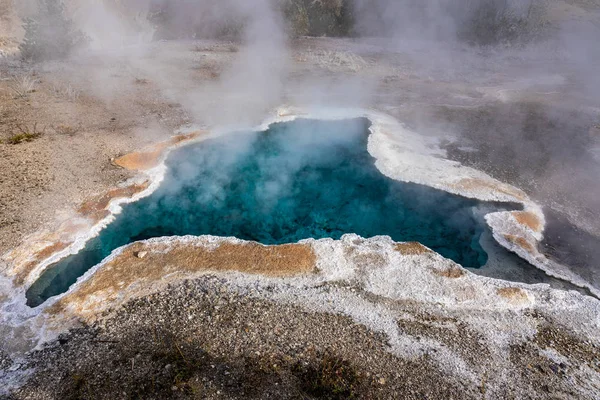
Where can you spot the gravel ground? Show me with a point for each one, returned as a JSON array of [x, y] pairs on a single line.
[[200, 339]]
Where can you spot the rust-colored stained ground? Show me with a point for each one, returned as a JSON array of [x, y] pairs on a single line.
[[93, 210], [411, 248], [73, 226], [476, 183], [96, 208], [521, 242], [513, 294], [38, 258], [150, 157], [452, 272], [159, 261], [285, 114], [416, 248], [528, 219]]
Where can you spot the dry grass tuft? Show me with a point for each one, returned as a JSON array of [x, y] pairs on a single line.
[[68, 92], [330, 377], [23, 85], [25, 134], [67, 130]]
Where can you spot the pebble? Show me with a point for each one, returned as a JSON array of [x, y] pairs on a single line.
[[141, 254]]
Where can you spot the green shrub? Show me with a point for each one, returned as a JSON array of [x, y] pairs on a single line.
[[25, 135], [319, 17], [175, 19], [50, 34], [179, 19]]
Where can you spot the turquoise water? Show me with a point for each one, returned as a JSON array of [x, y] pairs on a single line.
[[298, 180]]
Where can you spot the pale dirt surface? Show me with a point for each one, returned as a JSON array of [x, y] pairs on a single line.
[[72, 160]]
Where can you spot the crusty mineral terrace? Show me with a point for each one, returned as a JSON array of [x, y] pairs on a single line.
[[409, 157], [424, 305], [400, 154], [27, 262], [365, 279], [407, 271]]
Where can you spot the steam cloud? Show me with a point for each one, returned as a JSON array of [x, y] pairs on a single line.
[[438, 51]]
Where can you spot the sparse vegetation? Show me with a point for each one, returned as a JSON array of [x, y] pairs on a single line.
[[23, 85], [479, 22], [50, 34], [25, 134], [182, 367], [319, 17], [140, 81], [177, 19], [67, 129], [68, 92]]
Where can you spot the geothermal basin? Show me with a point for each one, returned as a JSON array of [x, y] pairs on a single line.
[[297, 180]]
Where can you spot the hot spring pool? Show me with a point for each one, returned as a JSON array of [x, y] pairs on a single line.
[[298, 180]]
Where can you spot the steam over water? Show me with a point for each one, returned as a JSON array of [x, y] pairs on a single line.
[[298, 180]]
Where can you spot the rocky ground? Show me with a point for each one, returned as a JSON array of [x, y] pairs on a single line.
[[201, 339], [167, 345]]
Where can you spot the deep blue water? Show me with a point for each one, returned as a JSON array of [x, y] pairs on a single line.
[[303, 179]]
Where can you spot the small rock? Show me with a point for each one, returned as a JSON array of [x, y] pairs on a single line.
[[141, 254]]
